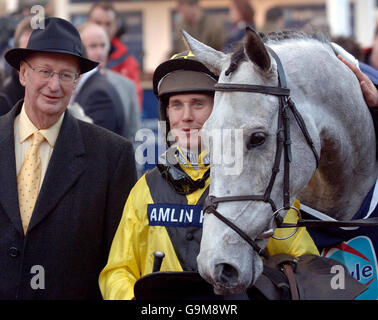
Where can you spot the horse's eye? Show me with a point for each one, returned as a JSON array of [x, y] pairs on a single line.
[[256, 139]]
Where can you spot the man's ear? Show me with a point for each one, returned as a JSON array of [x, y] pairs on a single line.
[[21, 74]]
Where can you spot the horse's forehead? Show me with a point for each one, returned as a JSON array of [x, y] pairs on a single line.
[[243, 110], [245, 72]]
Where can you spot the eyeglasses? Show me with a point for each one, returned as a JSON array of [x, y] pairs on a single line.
[[44, 73]]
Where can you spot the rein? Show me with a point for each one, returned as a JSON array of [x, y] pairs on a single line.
[[283, 146]]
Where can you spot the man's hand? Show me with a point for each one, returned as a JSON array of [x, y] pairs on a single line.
[[369, 91]]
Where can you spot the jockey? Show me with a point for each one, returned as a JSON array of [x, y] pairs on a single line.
[[164, 209]]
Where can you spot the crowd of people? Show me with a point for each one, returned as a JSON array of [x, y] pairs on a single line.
[[70, 200]]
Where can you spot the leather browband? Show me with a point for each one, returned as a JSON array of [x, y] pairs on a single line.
[[276, 91]]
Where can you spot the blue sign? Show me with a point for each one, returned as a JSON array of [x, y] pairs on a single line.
[[358, 255]]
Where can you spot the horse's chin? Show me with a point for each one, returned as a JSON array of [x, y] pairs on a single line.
[[222, 287], [226, 279], [220, 290]]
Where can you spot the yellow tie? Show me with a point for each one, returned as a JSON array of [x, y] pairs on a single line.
[[28, 180]]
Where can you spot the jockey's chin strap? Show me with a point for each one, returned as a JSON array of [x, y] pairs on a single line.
[[283, 145]]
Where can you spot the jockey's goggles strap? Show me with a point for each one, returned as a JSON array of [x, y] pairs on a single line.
[[179, 180], [176, 177]]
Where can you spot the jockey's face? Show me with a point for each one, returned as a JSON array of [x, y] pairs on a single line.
[[187, 113]]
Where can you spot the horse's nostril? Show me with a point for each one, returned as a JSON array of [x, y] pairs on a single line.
[[226, 274]]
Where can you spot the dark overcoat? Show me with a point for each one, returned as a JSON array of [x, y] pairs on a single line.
[[102, 103], [89, 176]]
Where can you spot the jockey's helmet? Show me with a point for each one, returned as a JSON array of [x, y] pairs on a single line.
[[182, 73]]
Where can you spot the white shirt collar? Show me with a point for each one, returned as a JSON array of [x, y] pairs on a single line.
[[83, 78]]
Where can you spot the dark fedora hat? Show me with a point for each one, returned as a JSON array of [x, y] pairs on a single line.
[[57, 36]]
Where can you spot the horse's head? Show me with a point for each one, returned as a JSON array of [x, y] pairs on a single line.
[[241, 135]]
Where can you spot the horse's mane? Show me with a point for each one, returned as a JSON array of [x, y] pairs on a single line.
[[238, 55], [274, 37]]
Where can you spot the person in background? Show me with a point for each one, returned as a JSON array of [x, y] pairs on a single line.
[[241, 15], [352, 46], [198, 24], [12, 90], [185, 89], [371, 54], [274, 20], [119, 58], [99, 99], [64, 182], [369, 90], [96, 43]]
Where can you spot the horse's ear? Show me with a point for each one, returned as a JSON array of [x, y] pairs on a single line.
[[210, 57], [255, 50]]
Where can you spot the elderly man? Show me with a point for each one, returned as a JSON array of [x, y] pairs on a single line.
[[63, 181]]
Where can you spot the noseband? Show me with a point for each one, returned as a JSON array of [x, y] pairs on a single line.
[[283, 146]]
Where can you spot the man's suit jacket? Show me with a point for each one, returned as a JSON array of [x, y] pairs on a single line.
[[5, 104], [101, 102], [128, 94], [89, 176], [11, 92]]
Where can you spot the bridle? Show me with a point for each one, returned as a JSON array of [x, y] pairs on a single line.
[[283, 146]]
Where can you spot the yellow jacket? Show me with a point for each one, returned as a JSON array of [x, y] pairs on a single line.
[[131, 254]]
